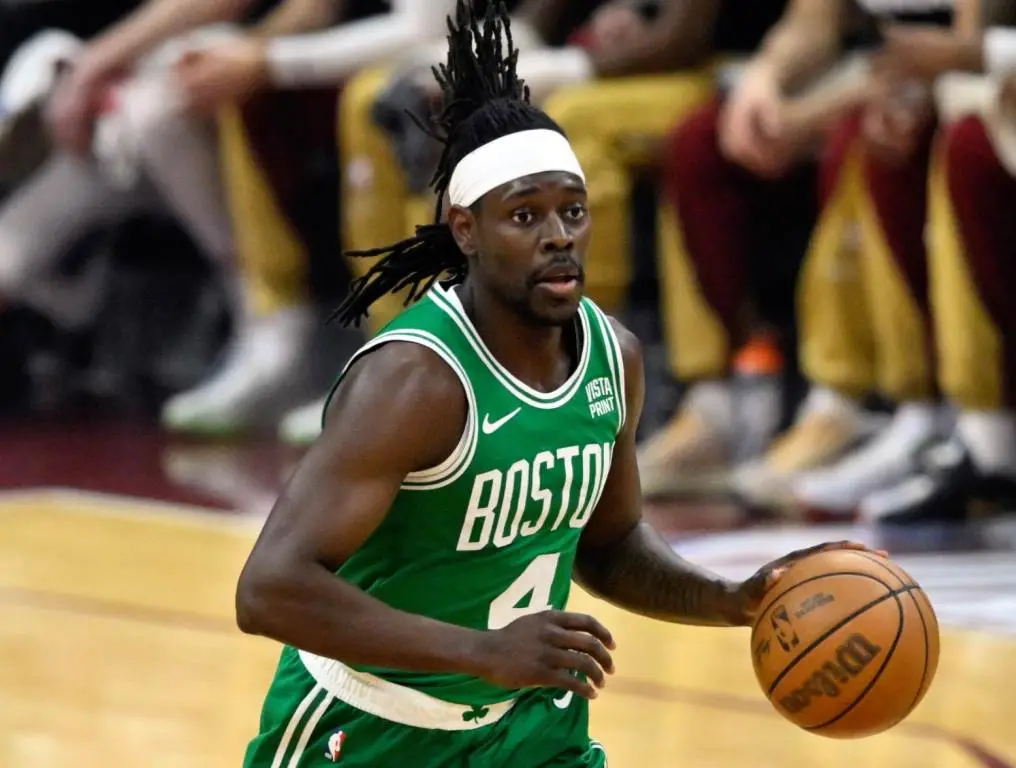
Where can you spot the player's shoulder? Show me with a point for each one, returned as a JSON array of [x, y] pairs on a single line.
[[400, 377], [399, 404]]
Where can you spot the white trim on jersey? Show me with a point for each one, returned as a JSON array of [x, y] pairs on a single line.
[[452, 468], [449, 302], [616, 362]]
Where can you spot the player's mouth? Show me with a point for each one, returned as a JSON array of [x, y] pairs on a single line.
[[560, 281]]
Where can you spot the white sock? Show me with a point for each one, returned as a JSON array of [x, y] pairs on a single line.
[[990, 436], [824, 400], [912, 423], [714, 400]]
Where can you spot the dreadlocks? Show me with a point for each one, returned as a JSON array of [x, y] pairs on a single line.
[[483, 99]]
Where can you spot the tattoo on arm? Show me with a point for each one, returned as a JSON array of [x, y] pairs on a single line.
[[641, 573]]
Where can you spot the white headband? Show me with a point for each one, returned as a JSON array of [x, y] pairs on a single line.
[[508, 158]]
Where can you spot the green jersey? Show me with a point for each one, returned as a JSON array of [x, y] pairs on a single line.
[[491, 533]]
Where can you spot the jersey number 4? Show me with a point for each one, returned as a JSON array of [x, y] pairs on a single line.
[[535, 583]]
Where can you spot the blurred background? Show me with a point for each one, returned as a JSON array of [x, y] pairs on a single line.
[[802, 208]]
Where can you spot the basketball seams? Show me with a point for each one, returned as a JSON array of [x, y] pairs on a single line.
[[838, 716], [927, 653], [878, 673], [838, 626], [885, 567], [919, 693]]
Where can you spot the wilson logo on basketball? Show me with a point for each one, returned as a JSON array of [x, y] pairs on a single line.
[[815, 601], [848, 662]]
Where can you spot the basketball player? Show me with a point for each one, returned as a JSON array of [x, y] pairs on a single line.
[[476, 454]]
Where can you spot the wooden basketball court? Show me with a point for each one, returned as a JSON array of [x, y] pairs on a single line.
[[119, 649]]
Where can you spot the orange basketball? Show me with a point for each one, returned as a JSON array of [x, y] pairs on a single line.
[[845, 645]]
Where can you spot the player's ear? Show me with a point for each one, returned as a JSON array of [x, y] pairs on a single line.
[[462, 222]]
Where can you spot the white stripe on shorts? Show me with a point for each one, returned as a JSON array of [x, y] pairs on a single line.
[[308, 730], [294, 721]]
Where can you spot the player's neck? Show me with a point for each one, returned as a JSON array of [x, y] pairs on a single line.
[[538, 355]]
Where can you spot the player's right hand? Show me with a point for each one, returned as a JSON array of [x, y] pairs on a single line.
[[548, 650], [72, 108], [750, 125]]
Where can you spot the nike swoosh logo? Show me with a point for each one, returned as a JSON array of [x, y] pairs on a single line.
[[564, 701], [490, 427]]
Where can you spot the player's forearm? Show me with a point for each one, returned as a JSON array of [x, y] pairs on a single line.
[[680, 38], [155, 22], [532, 64], [551, 68], [838, 93], [313, 610], [801, 45], [327, 57], [652, 55], [642, 574], [297, 16]]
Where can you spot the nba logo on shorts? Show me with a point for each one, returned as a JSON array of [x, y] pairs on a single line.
[[335, 746]]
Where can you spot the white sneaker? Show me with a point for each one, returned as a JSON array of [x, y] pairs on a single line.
[[302, 426], [222, 473], [690, 454], [260, 379], [878, 464], [828, 424]]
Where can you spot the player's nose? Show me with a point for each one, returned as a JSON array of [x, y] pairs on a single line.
[[555, 235]]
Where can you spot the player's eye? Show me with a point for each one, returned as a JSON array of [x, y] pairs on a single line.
[[523, 217], [576, 212]]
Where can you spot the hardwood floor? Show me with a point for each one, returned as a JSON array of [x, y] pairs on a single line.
[[118, 648]]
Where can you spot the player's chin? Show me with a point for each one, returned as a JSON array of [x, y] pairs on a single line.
[[555, 307]]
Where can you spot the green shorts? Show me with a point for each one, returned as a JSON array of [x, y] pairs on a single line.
[[303, 725]]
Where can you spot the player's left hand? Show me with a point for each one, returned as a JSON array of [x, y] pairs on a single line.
[[229, 72], [751, 592]]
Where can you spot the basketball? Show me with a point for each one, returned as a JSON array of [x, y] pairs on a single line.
[[845, 645]]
